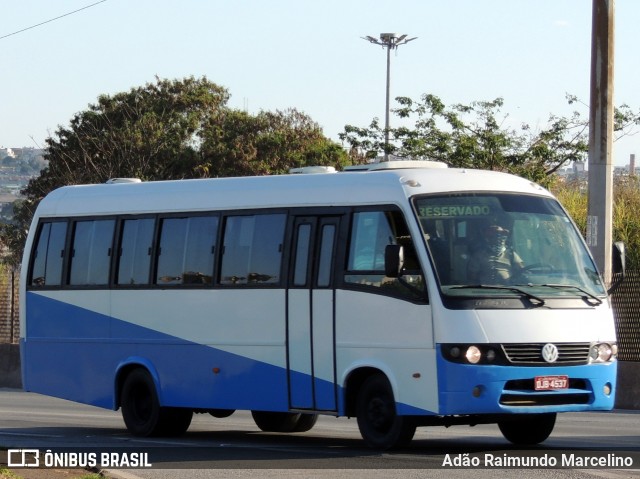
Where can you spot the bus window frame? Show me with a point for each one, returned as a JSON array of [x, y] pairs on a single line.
[[344, 270], [33, 256]]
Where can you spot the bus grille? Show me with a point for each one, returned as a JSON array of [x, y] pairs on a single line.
[[531, 353], [521, 393]]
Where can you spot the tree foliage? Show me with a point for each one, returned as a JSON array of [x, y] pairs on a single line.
[[480, 135], [149, 132], [170, 129], [268, 143]]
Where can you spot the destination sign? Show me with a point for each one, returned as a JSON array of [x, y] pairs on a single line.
[[455, 210]]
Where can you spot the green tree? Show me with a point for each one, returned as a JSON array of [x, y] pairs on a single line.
[[479, 135], [149, 132], [267, 143], [169, 130]]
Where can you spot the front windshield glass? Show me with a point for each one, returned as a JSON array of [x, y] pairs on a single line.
[[488, 244]]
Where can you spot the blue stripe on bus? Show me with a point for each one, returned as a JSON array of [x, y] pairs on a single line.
[[68, 353], [456, 383], [74, 353]]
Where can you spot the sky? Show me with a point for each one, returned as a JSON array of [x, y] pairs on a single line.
[[309, 55]]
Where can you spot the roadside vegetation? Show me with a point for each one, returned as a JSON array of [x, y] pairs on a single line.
[[7, 474], [66, 474], [626, 212]]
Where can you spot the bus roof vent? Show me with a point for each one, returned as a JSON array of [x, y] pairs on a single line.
[[352, 168], [402, 164], [396, 165], [114, 181], [307, 170]]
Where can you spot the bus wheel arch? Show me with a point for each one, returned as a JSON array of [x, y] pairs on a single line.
[[141, 410], [370, 398], [122, 372], [353, 383]]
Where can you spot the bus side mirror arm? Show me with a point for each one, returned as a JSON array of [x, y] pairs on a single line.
[[393, 260], [618, 265]]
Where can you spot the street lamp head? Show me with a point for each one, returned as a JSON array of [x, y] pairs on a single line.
[[388, 37], [372, 40], [389, 40]]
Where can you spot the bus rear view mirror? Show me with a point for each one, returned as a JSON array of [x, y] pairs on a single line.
[[618, 265], [393, 260]]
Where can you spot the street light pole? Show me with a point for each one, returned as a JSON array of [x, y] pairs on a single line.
[[390, 41]]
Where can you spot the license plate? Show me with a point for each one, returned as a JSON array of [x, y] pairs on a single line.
[[551, 383]]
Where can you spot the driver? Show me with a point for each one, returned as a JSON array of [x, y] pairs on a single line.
[[493, 261]]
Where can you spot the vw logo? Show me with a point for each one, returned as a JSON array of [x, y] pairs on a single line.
[[550, 353]]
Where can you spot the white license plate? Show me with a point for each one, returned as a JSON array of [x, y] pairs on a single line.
[[551, 383]]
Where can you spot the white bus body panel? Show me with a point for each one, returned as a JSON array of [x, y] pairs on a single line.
[[398, 337]]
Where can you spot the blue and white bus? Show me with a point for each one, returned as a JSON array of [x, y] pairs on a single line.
[[406, 295]]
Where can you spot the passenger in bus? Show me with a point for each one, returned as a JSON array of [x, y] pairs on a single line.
[[492, 259]]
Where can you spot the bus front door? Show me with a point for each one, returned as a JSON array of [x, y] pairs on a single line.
[[310, 314]]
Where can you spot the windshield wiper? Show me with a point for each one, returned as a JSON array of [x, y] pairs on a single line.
[[529, 296], [571, 286]]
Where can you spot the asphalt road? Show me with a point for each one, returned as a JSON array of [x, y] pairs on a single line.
[[234, 446]]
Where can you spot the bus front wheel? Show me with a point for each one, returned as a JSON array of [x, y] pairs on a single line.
[[378, 422], [527, 429], [142, 412]]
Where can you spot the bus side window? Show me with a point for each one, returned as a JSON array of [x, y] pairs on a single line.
[[187, 248], [134, 254], [252, 249], [48, 255], [371, 232], [91, 252]]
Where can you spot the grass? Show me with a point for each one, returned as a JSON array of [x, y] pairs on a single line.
[[7, 474], [626, 213]]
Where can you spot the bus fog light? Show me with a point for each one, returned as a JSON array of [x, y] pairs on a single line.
[[476, 391], [473, 354], [607, 389]]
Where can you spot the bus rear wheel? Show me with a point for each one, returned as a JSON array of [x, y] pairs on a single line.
[[283, 421], [527, 429], [142, 412], [378, 422], [305, 422]]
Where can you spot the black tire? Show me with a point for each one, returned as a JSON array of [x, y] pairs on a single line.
[[141, 409], [305, 422], [174, 421], [380, 426], [276, 421], [221, 413], [527, 429]]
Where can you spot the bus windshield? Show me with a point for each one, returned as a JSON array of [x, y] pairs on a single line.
[[497, 244]]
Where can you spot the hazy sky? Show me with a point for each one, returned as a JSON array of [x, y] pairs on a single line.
[[275, 54]]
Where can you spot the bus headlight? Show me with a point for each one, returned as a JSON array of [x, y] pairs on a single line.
[[603, 352], [480, 354], [473, 354]]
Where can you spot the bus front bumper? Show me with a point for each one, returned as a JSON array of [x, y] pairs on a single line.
[[497, 389]]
